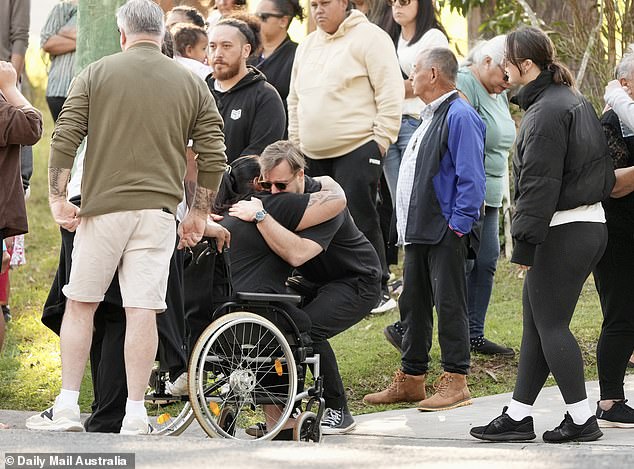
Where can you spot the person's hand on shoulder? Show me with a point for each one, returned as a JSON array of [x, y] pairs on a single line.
[[245, 210]]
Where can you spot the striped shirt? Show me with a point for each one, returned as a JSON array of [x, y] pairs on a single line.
[[62, 68]]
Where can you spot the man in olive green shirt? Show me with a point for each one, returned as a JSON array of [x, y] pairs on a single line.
[[138, 109]]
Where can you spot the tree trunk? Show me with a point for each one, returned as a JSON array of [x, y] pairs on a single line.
[[97, 34]]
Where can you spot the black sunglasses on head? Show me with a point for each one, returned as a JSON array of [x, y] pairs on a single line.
[[266, 16]]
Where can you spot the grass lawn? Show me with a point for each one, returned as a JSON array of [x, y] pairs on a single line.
[[30, 363]]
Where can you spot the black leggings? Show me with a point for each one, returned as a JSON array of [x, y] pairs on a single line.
[[613, 276], [551, 291]]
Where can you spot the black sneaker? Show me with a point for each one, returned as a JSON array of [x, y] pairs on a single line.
[[619, 416], [486, 347], [504, 428], [394, 334], [570, 431], [337, 422]]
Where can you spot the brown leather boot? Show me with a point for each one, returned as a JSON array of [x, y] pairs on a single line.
[[404, 388], [451, 392]]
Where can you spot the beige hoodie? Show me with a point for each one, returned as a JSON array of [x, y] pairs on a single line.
[[346, 90]]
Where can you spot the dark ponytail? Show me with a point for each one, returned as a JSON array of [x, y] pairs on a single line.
[[237, 182], [532, 43]]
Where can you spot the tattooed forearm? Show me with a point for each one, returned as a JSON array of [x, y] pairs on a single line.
[[57, 182], [320, 198], [204, 199], [190, 192]]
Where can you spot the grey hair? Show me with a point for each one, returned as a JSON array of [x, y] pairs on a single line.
[[493, 48], [141, 17], [442, 59], [282, 150], [625, 68]]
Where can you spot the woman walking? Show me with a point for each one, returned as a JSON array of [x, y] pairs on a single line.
[[562, 171]]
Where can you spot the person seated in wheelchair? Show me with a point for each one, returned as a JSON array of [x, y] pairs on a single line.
[[335, 257], [254, 266]]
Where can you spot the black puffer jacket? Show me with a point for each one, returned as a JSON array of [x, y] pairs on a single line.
[[561, 161]]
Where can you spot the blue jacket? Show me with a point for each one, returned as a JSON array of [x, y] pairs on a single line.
[[449, 181]]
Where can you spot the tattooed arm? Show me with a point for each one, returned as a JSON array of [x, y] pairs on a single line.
[[329, 202], [192, 228], [191, 175], [64, 213], [294, 249]]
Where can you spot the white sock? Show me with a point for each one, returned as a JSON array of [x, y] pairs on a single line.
[[136, 408], [67, 399], [579, 411], [518, 411]]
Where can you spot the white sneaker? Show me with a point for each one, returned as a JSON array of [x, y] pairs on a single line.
[[178, 387], [135, 425], [387, 303], [56, 420]]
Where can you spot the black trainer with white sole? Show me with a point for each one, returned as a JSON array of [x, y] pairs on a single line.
[[337, 422], [620, 415]]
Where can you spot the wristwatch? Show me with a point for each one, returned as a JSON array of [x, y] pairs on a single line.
[[259, 215]]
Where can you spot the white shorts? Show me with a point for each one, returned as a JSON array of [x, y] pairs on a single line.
[[138, 243]]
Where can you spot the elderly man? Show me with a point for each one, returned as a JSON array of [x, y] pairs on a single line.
[[613, 271], [132, 183], [344, 110], [251, 108], [438, 200]]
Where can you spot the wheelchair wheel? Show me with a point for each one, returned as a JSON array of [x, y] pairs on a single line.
[[168, 415], [307, 428], [242, 368]]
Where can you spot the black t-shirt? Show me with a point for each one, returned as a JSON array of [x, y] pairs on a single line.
[[619, 213], [254, 267], [347, 252]]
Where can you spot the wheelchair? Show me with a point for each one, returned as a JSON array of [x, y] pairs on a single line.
[[247, 367]]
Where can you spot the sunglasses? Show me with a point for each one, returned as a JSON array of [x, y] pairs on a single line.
[[266, 16], [267, 185], [403, 3]]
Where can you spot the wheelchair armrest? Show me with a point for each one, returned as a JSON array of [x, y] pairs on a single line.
[[268, 298]]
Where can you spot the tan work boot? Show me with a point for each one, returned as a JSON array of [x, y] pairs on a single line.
[[451, 392], [404, 388]]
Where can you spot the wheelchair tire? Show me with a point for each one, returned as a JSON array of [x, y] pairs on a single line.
[[241, 363], [307, 428], [168, 415]]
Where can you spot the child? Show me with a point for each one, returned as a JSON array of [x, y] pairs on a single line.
[[190, 47]]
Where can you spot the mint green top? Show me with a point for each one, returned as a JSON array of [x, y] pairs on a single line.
[[500, 133]]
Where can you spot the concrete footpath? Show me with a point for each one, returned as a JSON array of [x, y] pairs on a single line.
[[398, 438]]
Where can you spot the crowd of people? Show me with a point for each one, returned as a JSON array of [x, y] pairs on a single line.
[[321, 157]]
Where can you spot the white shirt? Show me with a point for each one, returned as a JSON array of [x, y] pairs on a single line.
[[408, 166], [616, 97], [197, 68]]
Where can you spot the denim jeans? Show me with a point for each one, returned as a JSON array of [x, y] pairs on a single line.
[[481, 271], [394, 154]]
